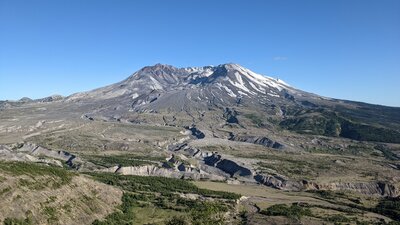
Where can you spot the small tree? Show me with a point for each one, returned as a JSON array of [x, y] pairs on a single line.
[[177, 220]]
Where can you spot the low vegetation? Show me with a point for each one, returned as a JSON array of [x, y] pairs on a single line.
[[294, 211], [328, 123], [292, 167], [14, 221], [389, 207], [161, 185], [338, 218], [122, 160], [364, 132], [256, 120], [165, 194], [387, 153], [336, 195], [55, 177]]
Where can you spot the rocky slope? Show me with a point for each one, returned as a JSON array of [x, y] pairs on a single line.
[[218, 123], [227, 90], [41, 195]]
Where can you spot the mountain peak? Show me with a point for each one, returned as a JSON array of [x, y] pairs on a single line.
[[226, 82], [231, 64], [159, 67], [166, 68]]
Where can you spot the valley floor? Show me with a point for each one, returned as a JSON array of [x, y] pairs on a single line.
[[54, 171]]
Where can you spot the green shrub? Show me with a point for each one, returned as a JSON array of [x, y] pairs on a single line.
[[254, 119], [386, 152], [321, 124], [364, 132], [177, 220], [51, 214], [328, 123], [122, 160], [161, 185], [389, 207], [294, 211], [14, 221], [161, 193], [56, 176], [337, 219]]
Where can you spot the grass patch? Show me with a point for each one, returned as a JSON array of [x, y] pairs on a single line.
[[33, 184], [294, 211], [162, 195], [122, 160], [177, 220], [387, 153], [32, 170], [389, 207], [54, 177], [256, 120], [336, 195], [338, 218], [356, 150], [14, 221], [5, 190], [292, 167], [51, 214], [161, 185], [198, 212]]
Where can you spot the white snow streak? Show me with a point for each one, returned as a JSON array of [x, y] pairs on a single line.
[[273, 95], [240, 84], [135, 95], [156, 85], [207, 73], [229, 91], [262, 80], [242, 93], [256, 88]]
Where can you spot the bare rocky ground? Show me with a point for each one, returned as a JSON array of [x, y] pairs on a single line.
[[46, 199], [270, 150], [169, 151]]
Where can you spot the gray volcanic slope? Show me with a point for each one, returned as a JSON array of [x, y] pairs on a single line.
[[211, 95], [228, 89], [223, 123]]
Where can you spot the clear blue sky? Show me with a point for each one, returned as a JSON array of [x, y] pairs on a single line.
[[347, 49]]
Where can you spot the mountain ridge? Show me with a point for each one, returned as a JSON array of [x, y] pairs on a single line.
[[160, 66], [162, 90]]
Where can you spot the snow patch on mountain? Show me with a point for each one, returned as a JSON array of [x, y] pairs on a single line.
[[260, 79], [242, 93], [273, 95], [229, 91], [135, 95], [262, 90], [157, 85], [240, 84], [205, 71], [232, 80]]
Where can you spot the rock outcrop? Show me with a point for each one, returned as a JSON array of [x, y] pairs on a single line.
[[8, 154], [152, 170], [367, 188], [30, 152], [278, 182], [228, 166], [259, 140], [196, 132], [230, 115], [40, 151]]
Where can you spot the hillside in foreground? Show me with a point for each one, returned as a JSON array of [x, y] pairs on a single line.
[[198, 145]]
